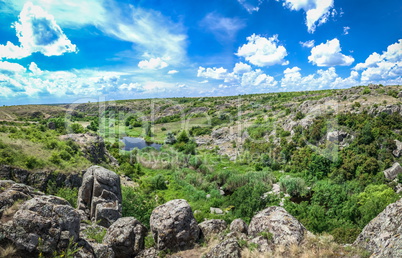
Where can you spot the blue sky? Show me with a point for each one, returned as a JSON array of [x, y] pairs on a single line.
[[94, 50]]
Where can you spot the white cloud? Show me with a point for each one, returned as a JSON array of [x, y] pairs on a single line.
[[213, 73], [148, 30], [251, 5], [329, 54], [308, 44], [346, 30], [33, 67], [173, 72], [385, 68], [261, 51], [317, 11], [152, 64], [322, 79], [257, 78], [131, 86], [37, 31], [11, 67], [241, 68], [223, 28]]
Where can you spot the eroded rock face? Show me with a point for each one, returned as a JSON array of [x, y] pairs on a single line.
[[92, 146], [173, 226], [126, 237], [43, 223], [212, 227], [227, 249], [99, 196], [383, 235], [238, 226], [393, 171], [284, 228], [398, 151]]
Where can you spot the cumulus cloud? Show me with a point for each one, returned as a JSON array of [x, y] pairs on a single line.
[[213, 73], [241, 68], [173, 72], [224, 28], [322, 79], [131, 86], [329, 54], [261, 51], [11, 67], [152, 64], [317, 11], [242, 75], [308, 44], [382, 68], [37, 31]]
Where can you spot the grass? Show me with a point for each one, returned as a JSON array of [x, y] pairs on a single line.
[[8, 251], [313, 246]]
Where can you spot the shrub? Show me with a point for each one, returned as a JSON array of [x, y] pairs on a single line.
[[294, 186], [33, 162], [137, 204]]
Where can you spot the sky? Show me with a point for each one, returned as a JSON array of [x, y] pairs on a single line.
[[94, 50]]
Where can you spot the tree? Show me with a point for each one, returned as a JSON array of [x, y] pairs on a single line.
[[170, 139], [183, 137]]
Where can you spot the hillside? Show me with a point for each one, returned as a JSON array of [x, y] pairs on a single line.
[[329, 158]]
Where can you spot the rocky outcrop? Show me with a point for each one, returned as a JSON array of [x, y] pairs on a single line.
[[383, 235], [238, 226], [93, 147], [42, 223], [212, 227], [126, 237], [227, 249], [99, 197], [392, 172], [275, 221], [398, 151], [40, 179], [173, 226]]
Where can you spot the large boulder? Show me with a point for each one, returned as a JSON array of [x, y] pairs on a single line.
[[173, 226], [126, 237], [238, 226], [383, 235], [229, 248], [42, 223], [392, 172], [275, 221], [99, 196], [212, 227]]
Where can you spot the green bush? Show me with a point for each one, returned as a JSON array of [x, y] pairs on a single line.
[[137, 204], [294, 186]]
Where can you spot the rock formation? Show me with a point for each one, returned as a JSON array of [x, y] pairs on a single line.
[[383, 235], [173, 226], [126, 237], [42, 223], [99, 197], [227, 249], [238, 226], [392, 172], [212, 227], [277, 222]]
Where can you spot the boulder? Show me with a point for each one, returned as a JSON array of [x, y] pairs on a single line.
[[126, 237], [173, 226], [229, 248], [397, 152], [212, 227], [392, 172], [276, 221], [99, 196], [43, 223], [383, 234], [239, 226], [213, 210], [336, 136]]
